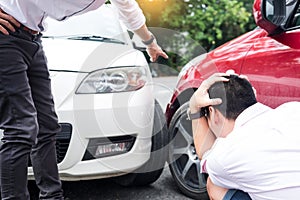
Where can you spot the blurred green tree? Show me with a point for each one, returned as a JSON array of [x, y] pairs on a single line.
[[209, 22]]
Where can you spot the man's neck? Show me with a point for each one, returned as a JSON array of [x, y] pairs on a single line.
[[227, 128]]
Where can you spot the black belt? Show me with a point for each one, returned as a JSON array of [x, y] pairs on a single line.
[[25, 28]]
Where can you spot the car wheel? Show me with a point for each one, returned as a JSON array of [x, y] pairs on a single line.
[[183, 160], [153, 168]]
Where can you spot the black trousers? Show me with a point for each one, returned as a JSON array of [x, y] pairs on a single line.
[[27, 117]]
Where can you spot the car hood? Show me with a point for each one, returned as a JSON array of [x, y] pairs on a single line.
[[83, 55], [70, 61]]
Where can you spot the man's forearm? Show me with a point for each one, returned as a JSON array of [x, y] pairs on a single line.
[[143, 33], [203, 137]]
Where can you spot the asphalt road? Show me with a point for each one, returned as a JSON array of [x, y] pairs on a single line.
[[163, 189]]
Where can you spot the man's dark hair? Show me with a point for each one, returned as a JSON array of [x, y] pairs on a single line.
[[237, 94]]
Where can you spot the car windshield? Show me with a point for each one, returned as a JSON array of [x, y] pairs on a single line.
[[99, 25]]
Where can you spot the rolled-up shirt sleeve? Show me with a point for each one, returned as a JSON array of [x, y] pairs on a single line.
[[130, 13]]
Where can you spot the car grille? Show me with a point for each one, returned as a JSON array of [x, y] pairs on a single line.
[[62, 142]]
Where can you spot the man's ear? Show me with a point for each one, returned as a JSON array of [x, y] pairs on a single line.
[[214, 115]]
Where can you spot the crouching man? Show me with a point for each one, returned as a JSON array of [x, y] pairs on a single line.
[[249, 150]]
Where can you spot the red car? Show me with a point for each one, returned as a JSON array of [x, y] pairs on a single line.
[[270, 57]]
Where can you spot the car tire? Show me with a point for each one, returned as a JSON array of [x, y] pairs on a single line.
[[153, 168], [183, 160]]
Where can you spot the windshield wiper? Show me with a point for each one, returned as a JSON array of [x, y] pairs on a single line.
[[96, 38]]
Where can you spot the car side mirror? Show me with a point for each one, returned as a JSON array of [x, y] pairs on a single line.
[[274, 11], [273, 15], [270, 15]]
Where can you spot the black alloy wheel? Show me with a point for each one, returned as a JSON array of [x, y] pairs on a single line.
[[183, 160]]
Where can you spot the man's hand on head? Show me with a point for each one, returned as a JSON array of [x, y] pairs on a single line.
[[200, 98]]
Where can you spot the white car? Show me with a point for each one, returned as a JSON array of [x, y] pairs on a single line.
[[112, 126]]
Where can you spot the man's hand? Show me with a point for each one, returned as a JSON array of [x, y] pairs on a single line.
[[154, 51], [201, 99], [7, 22]]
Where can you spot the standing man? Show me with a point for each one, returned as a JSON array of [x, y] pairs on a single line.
[[249, 150], [27, 113]]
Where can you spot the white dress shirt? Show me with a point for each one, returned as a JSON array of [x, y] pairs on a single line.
[[32, 13], [261, 156]]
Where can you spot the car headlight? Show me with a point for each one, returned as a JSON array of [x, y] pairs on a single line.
[[110, 80]]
